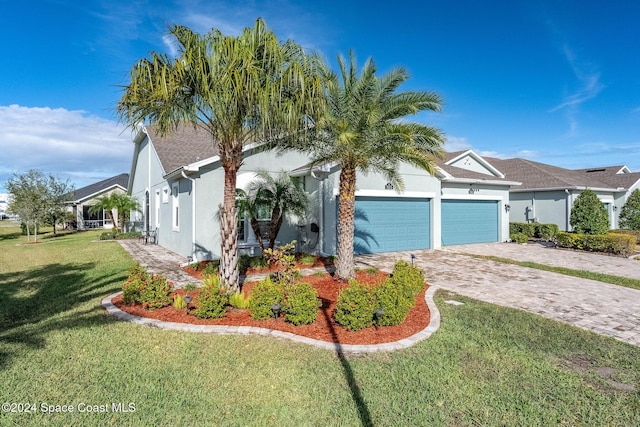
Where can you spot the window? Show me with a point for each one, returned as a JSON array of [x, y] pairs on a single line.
[[157, 208], [175, 224], [165, 195]]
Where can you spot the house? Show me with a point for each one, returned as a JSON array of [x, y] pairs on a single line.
[[548, 192], [85, 197], [178, 181]]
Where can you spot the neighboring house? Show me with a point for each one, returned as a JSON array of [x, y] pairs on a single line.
[[178, 181], [85, 197], [548, 192], [4, 205]]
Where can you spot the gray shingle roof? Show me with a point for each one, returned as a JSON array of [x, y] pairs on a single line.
[[121, 180], [611, 177], [182, 146]]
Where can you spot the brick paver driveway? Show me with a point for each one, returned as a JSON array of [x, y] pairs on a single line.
[[599, 307]]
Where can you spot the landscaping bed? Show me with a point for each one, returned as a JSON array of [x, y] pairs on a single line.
[[323, 328]]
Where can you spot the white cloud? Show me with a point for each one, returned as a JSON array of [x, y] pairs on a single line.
[[69, 144], [455, 143]]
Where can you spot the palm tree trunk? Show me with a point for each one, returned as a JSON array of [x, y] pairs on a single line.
[[231, 159], [345, 269], [255, 226], [274, 226]]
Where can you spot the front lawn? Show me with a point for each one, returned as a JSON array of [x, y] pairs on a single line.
[[487, 365]]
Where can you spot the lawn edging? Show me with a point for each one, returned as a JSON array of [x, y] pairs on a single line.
[[434, 324]]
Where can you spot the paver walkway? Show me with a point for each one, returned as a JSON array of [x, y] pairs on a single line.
[[599, 307], [158, 260]]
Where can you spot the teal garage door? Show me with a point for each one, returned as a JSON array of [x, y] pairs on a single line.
[[469, 221], [384, 224]]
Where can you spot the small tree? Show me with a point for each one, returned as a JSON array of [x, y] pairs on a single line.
[[588, 215], [279, 196], [124, 204], [104, 203], [630, 213], [59, 192]]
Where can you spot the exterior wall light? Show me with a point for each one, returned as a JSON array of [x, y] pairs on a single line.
[[507, 208]]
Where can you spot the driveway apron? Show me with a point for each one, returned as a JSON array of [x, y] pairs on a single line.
[[599, 307]]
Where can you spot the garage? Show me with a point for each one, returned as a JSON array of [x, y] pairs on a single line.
[[388, 224], [469, 221]]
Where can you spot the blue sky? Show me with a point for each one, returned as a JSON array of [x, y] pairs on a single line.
[[555, 81]]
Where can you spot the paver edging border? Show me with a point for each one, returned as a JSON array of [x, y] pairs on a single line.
[[434, 324]]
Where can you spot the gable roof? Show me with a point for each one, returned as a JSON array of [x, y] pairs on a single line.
[[83, 193], [183, 146], [614, 176], [541, 176]]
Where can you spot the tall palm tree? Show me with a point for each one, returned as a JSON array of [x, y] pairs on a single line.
[[242, 89], [107, 204], [364, 129], [279, 196], [124, 204]]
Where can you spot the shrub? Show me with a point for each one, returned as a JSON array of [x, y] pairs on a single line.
[[619, 244], [408, 277], [211, 268], [301, 304], [136, 281], [519, 238], [307, 259], [265, 294], [394, 300], [128, 235], [244, 262], [355, 306], [108, 235], [635, 233], [630, 212], [239, 300], [547, 231], [156, 292], [23, 228], [179, 302], [528, 229], [284, 260], [588, 214], [213, 299]]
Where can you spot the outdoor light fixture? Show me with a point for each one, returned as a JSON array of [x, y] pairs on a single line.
[[377, 315], [413, 258], [507, 208], [615, 208], [276, 310], [389, 186], [471, 189], [187, 299]]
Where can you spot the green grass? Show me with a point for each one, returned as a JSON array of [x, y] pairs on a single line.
[[600, 277], [486, 365]]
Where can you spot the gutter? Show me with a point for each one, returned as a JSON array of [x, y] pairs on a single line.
[[193, 216]]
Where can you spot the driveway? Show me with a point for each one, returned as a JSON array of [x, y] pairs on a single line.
[[599, 307]]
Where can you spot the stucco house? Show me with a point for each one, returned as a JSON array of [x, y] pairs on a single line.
[[85, 197], [548, 192], [178, 181]]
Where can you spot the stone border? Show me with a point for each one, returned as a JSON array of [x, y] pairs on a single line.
[[434, 324]]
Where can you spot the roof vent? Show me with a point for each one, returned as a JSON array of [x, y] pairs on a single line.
[[596, 170]]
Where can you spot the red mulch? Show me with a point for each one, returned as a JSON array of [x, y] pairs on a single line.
[[320, 262], [324, 328]]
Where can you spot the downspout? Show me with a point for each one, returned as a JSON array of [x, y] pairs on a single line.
[[568, 193], [193, 216], [321, 212]]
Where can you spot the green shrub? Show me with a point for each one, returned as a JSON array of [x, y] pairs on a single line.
[[630, 212], [392, 298], [301, 304], [108, 235], [128, 235], [243, 263], [265, 294], [635, 233], [23, 228], [547, 231], [238, 300], [211, 268], [519, 238], [588, 214], [409, 278], [136, 280], [156, 292], [528, 229], [619, 244], [355, 306], [212, 301], [307, 259], [179, 303], [258, 262]]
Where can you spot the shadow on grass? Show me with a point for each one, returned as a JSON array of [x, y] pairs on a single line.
[[356, 394], [10, 236], [40, 296]]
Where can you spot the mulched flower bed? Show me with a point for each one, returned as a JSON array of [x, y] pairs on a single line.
[[319, 262], [324, 328]]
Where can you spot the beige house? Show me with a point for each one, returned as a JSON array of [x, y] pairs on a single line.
[[85, 197]]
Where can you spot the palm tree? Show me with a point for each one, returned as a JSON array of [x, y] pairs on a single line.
[[105, 203], [280, 196], [124, 204], [364, 129], [248, 88]]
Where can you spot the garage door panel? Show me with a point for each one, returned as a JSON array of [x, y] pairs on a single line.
[[469, 221], [391, 224]]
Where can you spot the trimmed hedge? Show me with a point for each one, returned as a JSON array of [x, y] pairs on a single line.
[[301, 304], [519, 238], [635, 233], [264, 295], [355, 306], [619, 244], [533, 229], [528, 229]]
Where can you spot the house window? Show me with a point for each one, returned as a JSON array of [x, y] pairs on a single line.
[[157, 208], [165, 195], [175, 208]]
